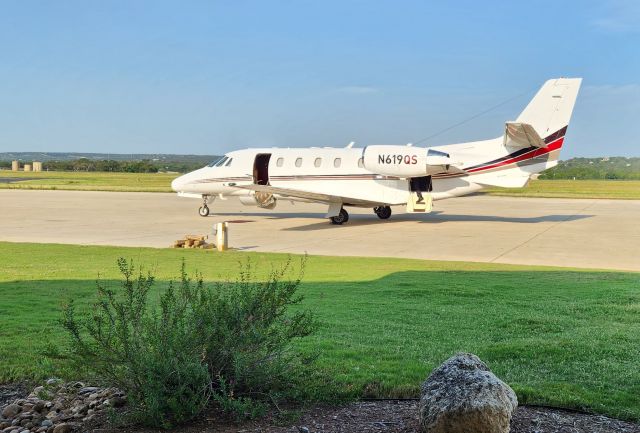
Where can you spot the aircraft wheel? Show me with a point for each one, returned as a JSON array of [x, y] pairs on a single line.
[[383, 212], [341, 218], [204, 210]]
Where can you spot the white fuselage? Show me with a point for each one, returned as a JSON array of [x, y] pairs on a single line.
[[339, 172], [380, 176]]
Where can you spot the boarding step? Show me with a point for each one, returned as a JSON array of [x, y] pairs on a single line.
[[415, 205]]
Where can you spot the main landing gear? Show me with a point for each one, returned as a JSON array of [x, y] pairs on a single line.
[[341, 218], [383, 212]]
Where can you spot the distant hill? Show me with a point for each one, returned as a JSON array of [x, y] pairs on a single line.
[[615, 167], [71, 156]]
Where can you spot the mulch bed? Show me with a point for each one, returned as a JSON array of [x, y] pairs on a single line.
[[381, 416], [391, 416]]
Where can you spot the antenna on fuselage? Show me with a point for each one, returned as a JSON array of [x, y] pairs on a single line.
[[350, 145], [409, 144]]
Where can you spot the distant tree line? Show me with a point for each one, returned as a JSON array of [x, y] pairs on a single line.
[[614, 168], [143, 166]]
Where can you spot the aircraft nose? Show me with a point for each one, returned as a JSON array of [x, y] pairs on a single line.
[[178, 183]]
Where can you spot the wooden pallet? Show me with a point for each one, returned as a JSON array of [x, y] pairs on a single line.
[[193, 241]]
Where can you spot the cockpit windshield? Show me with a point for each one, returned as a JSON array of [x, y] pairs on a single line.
[[219, 162]]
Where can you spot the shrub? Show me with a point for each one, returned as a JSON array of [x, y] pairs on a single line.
[[230, 343]]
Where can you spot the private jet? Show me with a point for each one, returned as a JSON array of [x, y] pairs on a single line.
[[381, 176]]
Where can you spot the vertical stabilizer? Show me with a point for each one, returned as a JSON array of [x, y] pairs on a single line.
[[550, 110]]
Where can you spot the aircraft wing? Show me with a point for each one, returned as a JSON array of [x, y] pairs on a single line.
[[307, 195]]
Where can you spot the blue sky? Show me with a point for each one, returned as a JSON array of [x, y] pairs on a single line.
[[207, 77]]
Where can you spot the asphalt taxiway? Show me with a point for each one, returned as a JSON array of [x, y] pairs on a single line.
[[583, 233]]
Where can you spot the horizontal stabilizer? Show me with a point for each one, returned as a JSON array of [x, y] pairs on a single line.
[[518, 134], [505, 179]]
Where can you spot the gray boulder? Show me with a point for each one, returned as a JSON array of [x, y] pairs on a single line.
[[463, 396]]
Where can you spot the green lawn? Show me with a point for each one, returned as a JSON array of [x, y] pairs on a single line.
[[615, 189], [161, 182], [559, 336], [90, 181]]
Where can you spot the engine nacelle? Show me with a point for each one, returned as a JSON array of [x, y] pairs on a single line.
[[260, 199], [404, 161]]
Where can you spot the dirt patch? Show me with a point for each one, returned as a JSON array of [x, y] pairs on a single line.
[[394, 417]]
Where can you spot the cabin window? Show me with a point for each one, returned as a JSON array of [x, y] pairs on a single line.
[[298, 162], [317, 162], [337, 162], [360, 163], [280, 162], [228, 164]]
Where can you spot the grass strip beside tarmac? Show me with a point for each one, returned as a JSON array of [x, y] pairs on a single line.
[[88, 181], [562, 337], [603, 189], [161, 182]]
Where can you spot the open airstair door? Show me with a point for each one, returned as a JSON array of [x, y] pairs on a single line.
[[420, 199], [261, 177], [261, 169]]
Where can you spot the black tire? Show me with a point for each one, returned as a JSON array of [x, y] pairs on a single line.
[[341, 218], [383, 212], [203, 211]]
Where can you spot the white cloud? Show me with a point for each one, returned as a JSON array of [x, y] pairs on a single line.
[[618, 16]]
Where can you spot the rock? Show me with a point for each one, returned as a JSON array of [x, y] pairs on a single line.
[[11, 411], [117, 401], [63, 428], [82, 408], [53, 381], [46, 423], [463, 396], [88, 390]]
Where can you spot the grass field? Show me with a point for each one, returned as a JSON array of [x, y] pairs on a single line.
[[161, 182], [89, 181], [561, 337], [613, 189]]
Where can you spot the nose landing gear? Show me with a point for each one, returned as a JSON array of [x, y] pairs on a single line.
[[203, 211]]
